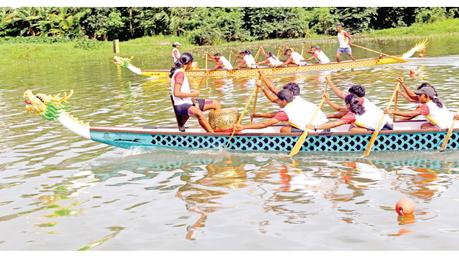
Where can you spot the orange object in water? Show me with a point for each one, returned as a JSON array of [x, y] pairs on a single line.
[[412, 75], [404, 207]]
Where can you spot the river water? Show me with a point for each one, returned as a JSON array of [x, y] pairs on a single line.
[[61, 192]]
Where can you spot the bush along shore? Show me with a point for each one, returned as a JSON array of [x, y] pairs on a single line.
[[214, 26]]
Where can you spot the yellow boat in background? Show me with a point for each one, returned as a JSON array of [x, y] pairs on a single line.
[[252, 72]]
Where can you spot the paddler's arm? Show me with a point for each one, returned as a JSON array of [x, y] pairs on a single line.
[[347, 35], [241, 64], [409, 94], [325, 126], [263, 52], [287, 62], [268, 94], [218, 65], [264, 115], [335, 106], [337, 115], [335, 89], [408, 114], [268, 83], [264, 124], [263, 62]]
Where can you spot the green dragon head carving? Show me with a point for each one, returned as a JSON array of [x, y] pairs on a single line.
[[44, 105]]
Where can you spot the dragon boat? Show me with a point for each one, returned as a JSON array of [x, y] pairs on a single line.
[[251, 72], [406, 135]]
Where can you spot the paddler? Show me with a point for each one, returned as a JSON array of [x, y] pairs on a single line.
[[185, 100], [294, 110], [358, 90], [247, 60], [221, 63], [412, 97], [409, 95], [344, 40], [270, 59], [362, 120], [293, 58], [175, 51], [431, 107], [318, 55]]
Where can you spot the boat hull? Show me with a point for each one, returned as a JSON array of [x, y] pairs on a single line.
[[278, 70], [406, 140]]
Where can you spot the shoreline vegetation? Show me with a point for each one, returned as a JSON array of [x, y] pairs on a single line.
[[36, 48]]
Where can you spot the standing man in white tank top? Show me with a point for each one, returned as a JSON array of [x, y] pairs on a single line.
[[344, 40]]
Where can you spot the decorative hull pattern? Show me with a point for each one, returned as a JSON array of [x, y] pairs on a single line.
[[271, 141]]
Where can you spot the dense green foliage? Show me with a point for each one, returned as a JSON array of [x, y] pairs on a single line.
[[207, 26]]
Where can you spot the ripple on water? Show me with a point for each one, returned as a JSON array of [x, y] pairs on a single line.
[[59, 191]]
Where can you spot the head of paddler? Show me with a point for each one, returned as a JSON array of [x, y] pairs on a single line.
[[186, 59], [270, 54], [314, 49], [288, 52], [425, 84], [293, 87], [353, 104], [285, 96], [339, 27], [216, 56], [358, 90], [425, 94], [245, 52]]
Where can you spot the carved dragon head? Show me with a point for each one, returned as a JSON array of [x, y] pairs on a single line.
[[45, 105]]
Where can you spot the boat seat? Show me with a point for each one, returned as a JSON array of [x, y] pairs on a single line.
[[180, 120]]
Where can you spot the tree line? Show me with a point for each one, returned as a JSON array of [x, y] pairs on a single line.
[[207, 26]]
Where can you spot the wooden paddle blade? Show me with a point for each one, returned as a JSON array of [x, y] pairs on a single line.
[[298, 144], [370, 144], [448, 136]]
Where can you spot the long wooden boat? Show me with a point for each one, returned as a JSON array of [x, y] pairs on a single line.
[[405, 137], [250, 72]]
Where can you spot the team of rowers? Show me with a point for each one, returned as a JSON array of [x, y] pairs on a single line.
[[297, 112], [248, 61], [293, 57]]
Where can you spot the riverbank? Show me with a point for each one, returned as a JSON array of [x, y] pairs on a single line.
[[39, 49]]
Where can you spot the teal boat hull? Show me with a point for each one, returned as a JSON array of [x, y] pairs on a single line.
[[412, 140]]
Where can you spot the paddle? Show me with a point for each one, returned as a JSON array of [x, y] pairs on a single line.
[[242, 115], [379, 125], [255, 101], [305, 133], [256, 55], [379, 52], [448, 134]]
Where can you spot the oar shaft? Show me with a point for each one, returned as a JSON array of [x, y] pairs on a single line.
[[379, 125], [378, 52], [297, 147], [254, 104], [444, 144], [242, 115]]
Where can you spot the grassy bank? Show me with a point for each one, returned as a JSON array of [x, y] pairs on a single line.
[[35, 50], [441, 27]]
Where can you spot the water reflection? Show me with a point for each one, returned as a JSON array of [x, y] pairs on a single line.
[[59, 191]]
